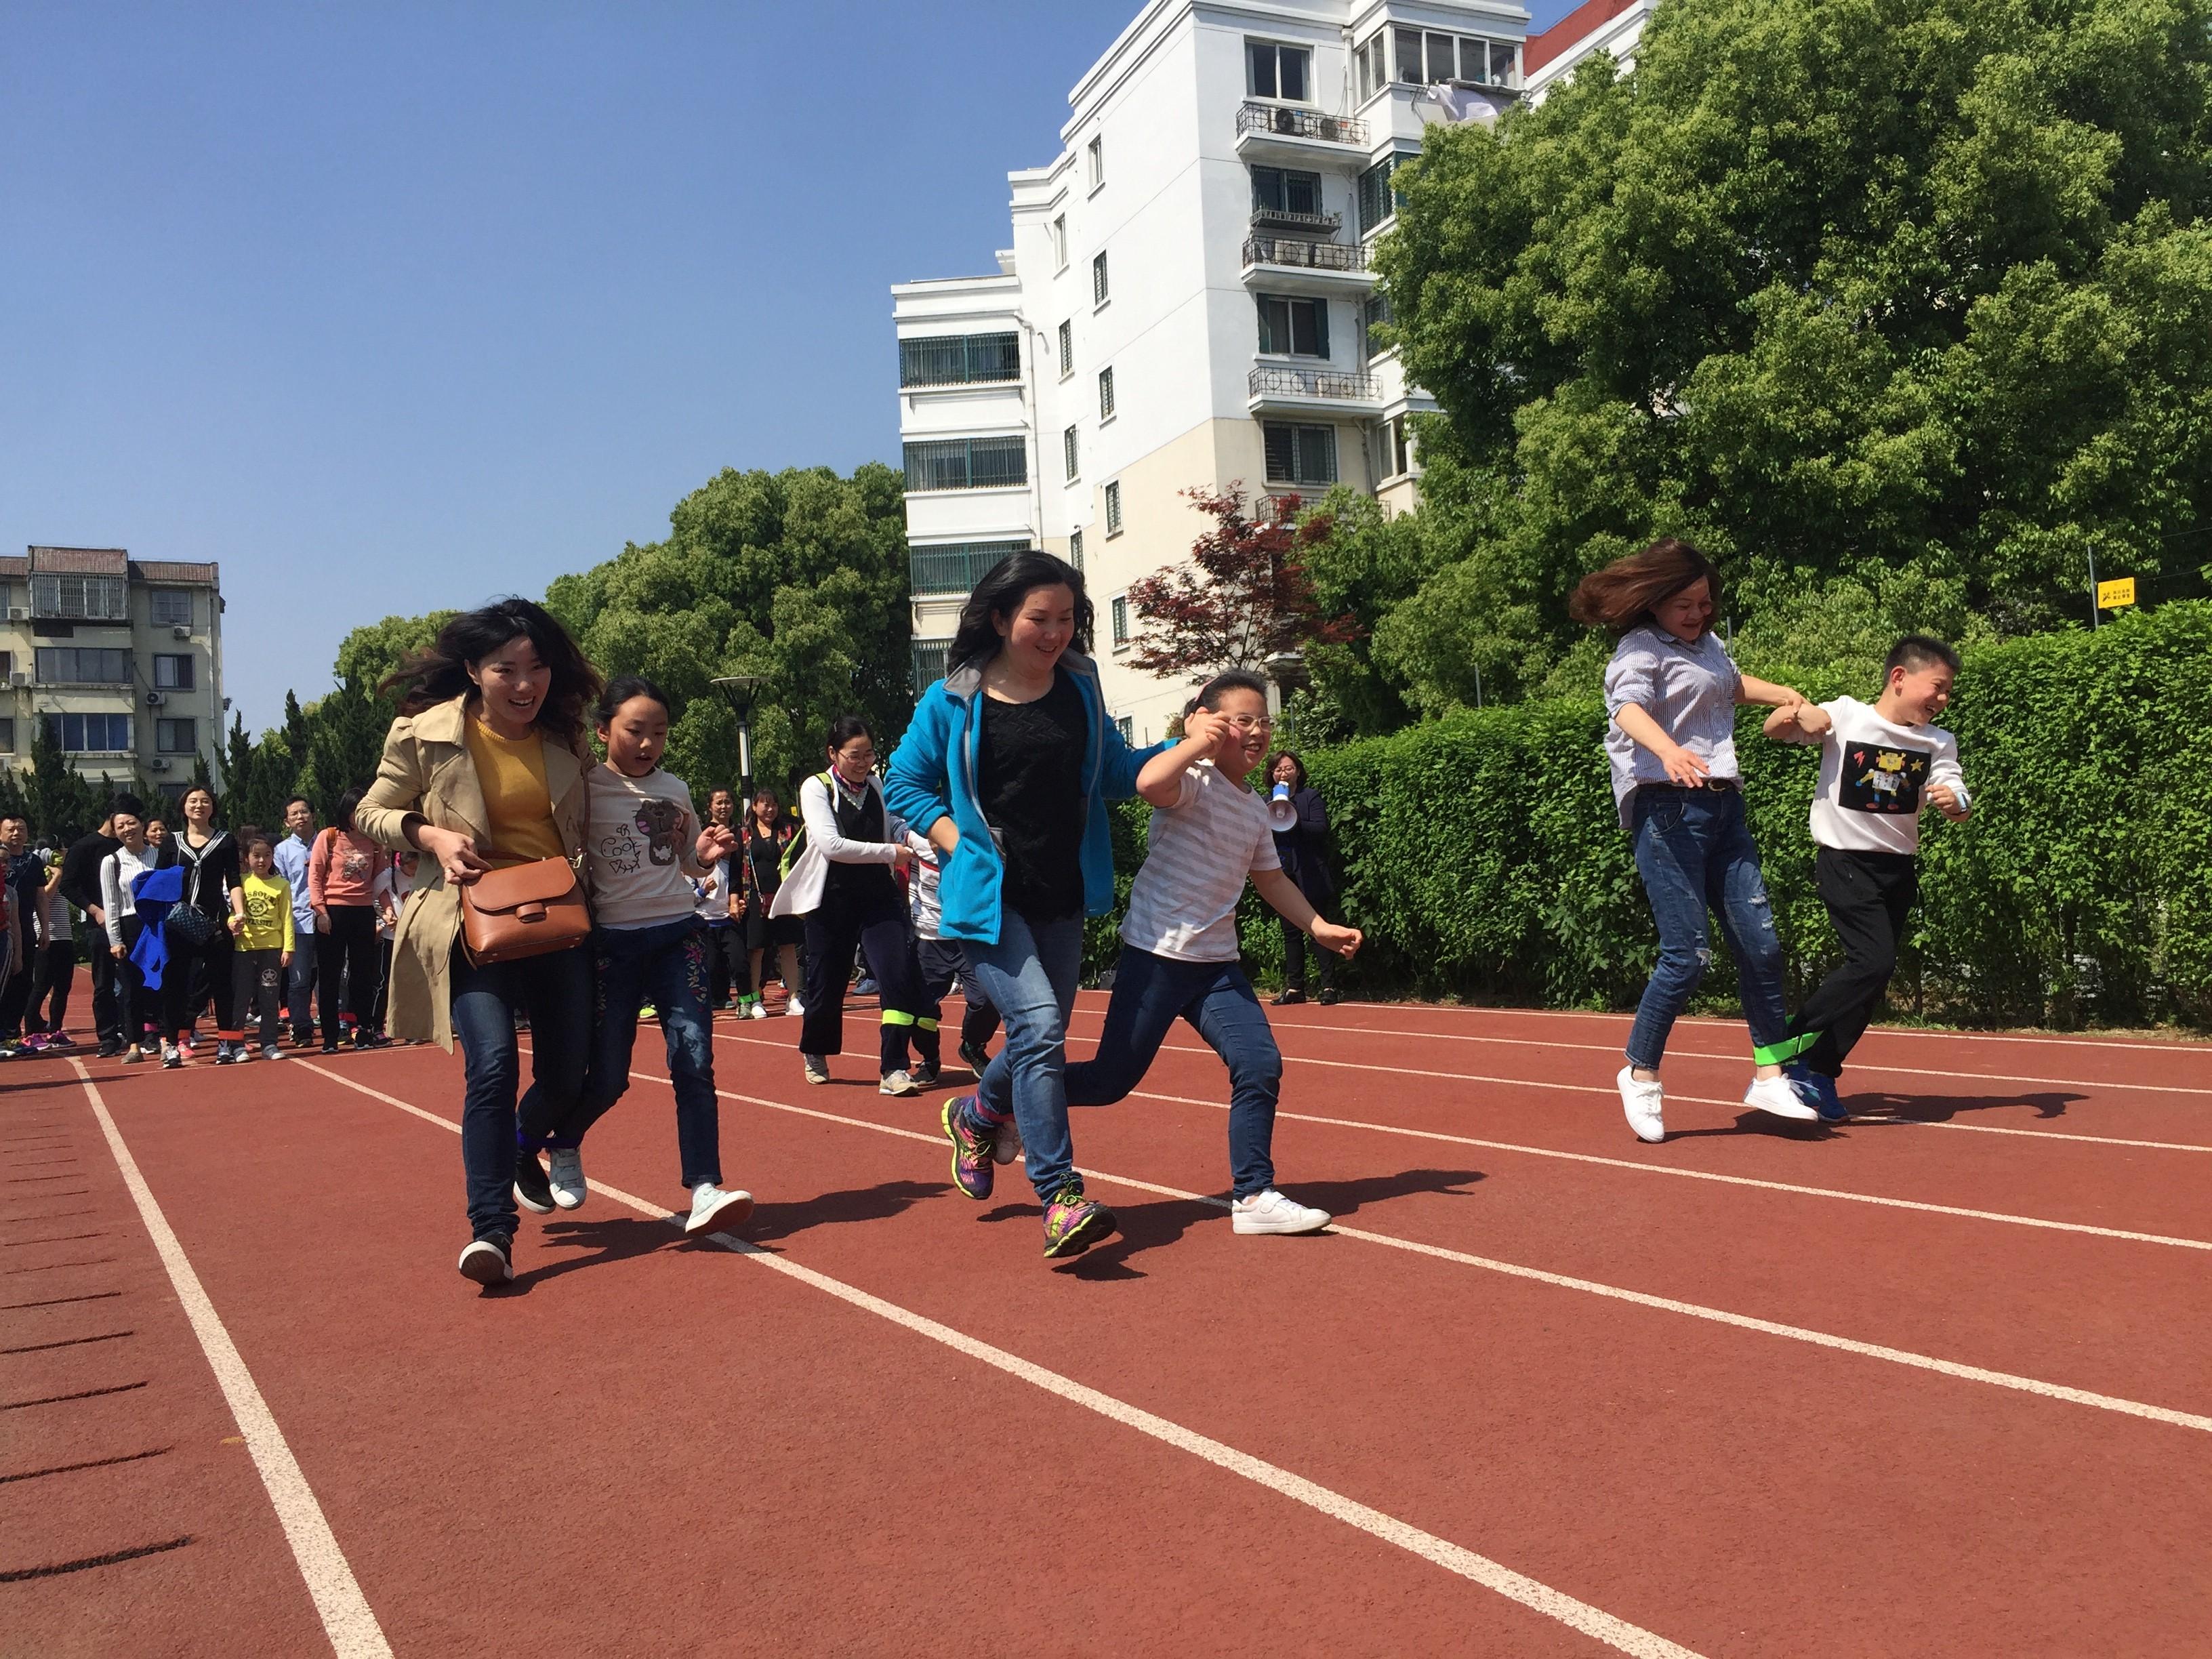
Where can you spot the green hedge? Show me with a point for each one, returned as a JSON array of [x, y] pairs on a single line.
[[1482, 855]]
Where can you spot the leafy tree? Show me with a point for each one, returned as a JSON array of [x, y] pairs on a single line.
[[1244, 598], [1839, 288]]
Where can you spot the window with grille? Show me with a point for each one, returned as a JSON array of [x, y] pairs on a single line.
[[958, 360], [1098, 280], [1378, 200], [79, 599], [1114, 508], [1066, 350], [171, 606], [1075, 548], [1127, 726], [1277, 71], [172, 673], [76, 665], [1120, 610], [89, 734], [957, 568], [1293, 327], [1105, 394], [1375, 311], [175, 737], [1299, 454], [929, 662], [966, 464], [1282, 190], [1068, 453]]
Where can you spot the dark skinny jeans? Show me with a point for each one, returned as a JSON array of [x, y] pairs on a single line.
[[555, 993]]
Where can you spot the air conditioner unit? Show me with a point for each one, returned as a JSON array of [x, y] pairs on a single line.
[[178, 631], [157, 764], [19, 679], [155, 699], [18, 613]]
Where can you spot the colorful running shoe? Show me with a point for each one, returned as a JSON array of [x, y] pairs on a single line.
[[971, 1147], [1072, 1223]]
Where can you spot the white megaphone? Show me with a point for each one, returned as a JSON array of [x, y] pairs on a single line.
[[1282, 811]]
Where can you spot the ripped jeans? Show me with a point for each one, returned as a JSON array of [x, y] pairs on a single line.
[[1695, 852]]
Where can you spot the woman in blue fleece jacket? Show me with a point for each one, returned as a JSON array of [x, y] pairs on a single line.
[[1007, 769]]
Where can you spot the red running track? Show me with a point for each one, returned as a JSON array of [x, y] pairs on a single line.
[[1903, 1387]]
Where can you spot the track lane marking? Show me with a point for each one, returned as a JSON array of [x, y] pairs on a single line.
[[2030, 1385], [1640, 1166], [1493, 1576], [347, 1620]]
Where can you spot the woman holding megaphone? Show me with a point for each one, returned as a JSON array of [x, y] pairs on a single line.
[[1300, 822]]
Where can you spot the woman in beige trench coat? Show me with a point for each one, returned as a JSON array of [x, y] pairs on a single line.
[[485, 768]]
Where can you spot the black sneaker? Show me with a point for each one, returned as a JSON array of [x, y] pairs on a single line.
[[531, 1189], [329, 1045], [107, 1051], [1286, 998], [975, 1057], [360, 1037], [1330, 996], [487, 1261], [923, 1077]]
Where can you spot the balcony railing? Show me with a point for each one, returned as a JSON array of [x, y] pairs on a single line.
[[1304, 253], [1266, 219], [1269, 380], [1301, 124]]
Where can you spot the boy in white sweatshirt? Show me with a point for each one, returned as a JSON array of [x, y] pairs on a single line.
[[1880, 766]]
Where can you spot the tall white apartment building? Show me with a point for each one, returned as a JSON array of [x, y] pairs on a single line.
[[119, 658], [1186, 303]]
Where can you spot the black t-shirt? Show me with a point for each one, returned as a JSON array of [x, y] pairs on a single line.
[[1032, 795]]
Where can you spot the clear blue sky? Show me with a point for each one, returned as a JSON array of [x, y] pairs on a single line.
[[398, 305]]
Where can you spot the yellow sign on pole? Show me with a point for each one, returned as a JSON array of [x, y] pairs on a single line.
[[2111, 595]]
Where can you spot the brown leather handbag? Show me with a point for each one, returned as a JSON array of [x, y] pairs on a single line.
[[526, 910]]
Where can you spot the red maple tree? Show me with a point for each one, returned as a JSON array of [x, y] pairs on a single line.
[[1244, 598]]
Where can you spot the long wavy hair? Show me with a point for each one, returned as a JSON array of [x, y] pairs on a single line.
[[1622, 594], [440, 672], [1000, 596]]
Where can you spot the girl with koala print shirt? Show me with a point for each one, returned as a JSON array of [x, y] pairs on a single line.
[[644, 846]]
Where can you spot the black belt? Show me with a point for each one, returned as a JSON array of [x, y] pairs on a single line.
[[1717, 786]]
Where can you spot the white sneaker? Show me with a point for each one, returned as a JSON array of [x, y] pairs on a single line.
[[1777, 1098], [486, 1262], [1271, 1213], [898, 1083], [817, 1068], [715, 1210], [566, 1178], [1643, 1104], [759, 1010]]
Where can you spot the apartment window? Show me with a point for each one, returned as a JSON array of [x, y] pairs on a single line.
[[1399, 447], [1098, 280], [929, 662], [1114, 508], [1292, 327], [1276, 72], [1068, 453], [175, 737], [170, 607], [172, 673], [1374, 313], [1378, 199], [1120, 610], [1106, 394], [956, 360], [1127, 726], [956, 567], [1066, 350], [1095, 150], [966, 464], [7, 664], [1276, 189], [1370, 66], [1299, 454], [1060, 243], [79, 599], [1075, 549], [7, 736], [1425, 56], [89, 734], [74, 665]]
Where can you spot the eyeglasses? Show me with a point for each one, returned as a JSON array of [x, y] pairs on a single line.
[[1249, 722]]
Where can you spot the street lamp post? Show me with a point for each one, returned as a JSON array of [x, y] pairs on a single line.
[[740, 689]]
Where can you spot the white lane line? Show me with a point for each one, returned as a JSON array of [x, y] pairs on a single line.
[[1707, 1174], [1607, 1092], [347, 1620], [1695, 1310], [1591, 1621]]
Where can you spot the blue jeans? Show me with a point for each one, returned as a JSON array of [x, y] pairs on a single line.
[[555, 992], [1149, 995], [1695, 852], [1029, 975], [665, 964]]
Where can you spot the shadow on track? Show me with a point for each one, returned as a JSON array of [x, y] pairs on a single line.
[[1877, 1105], [876, 1203]]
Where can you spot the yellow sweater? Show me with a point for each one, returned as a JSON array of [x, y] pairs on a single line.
[[268, 901]]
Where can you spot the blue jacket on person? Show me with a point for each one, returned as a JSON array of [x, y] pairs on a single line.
[[154, 894], [934, 773]]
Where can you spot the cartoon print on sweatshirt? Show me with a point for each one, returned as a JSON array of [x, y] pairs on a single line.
[[661, 821], [1878, 778]]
